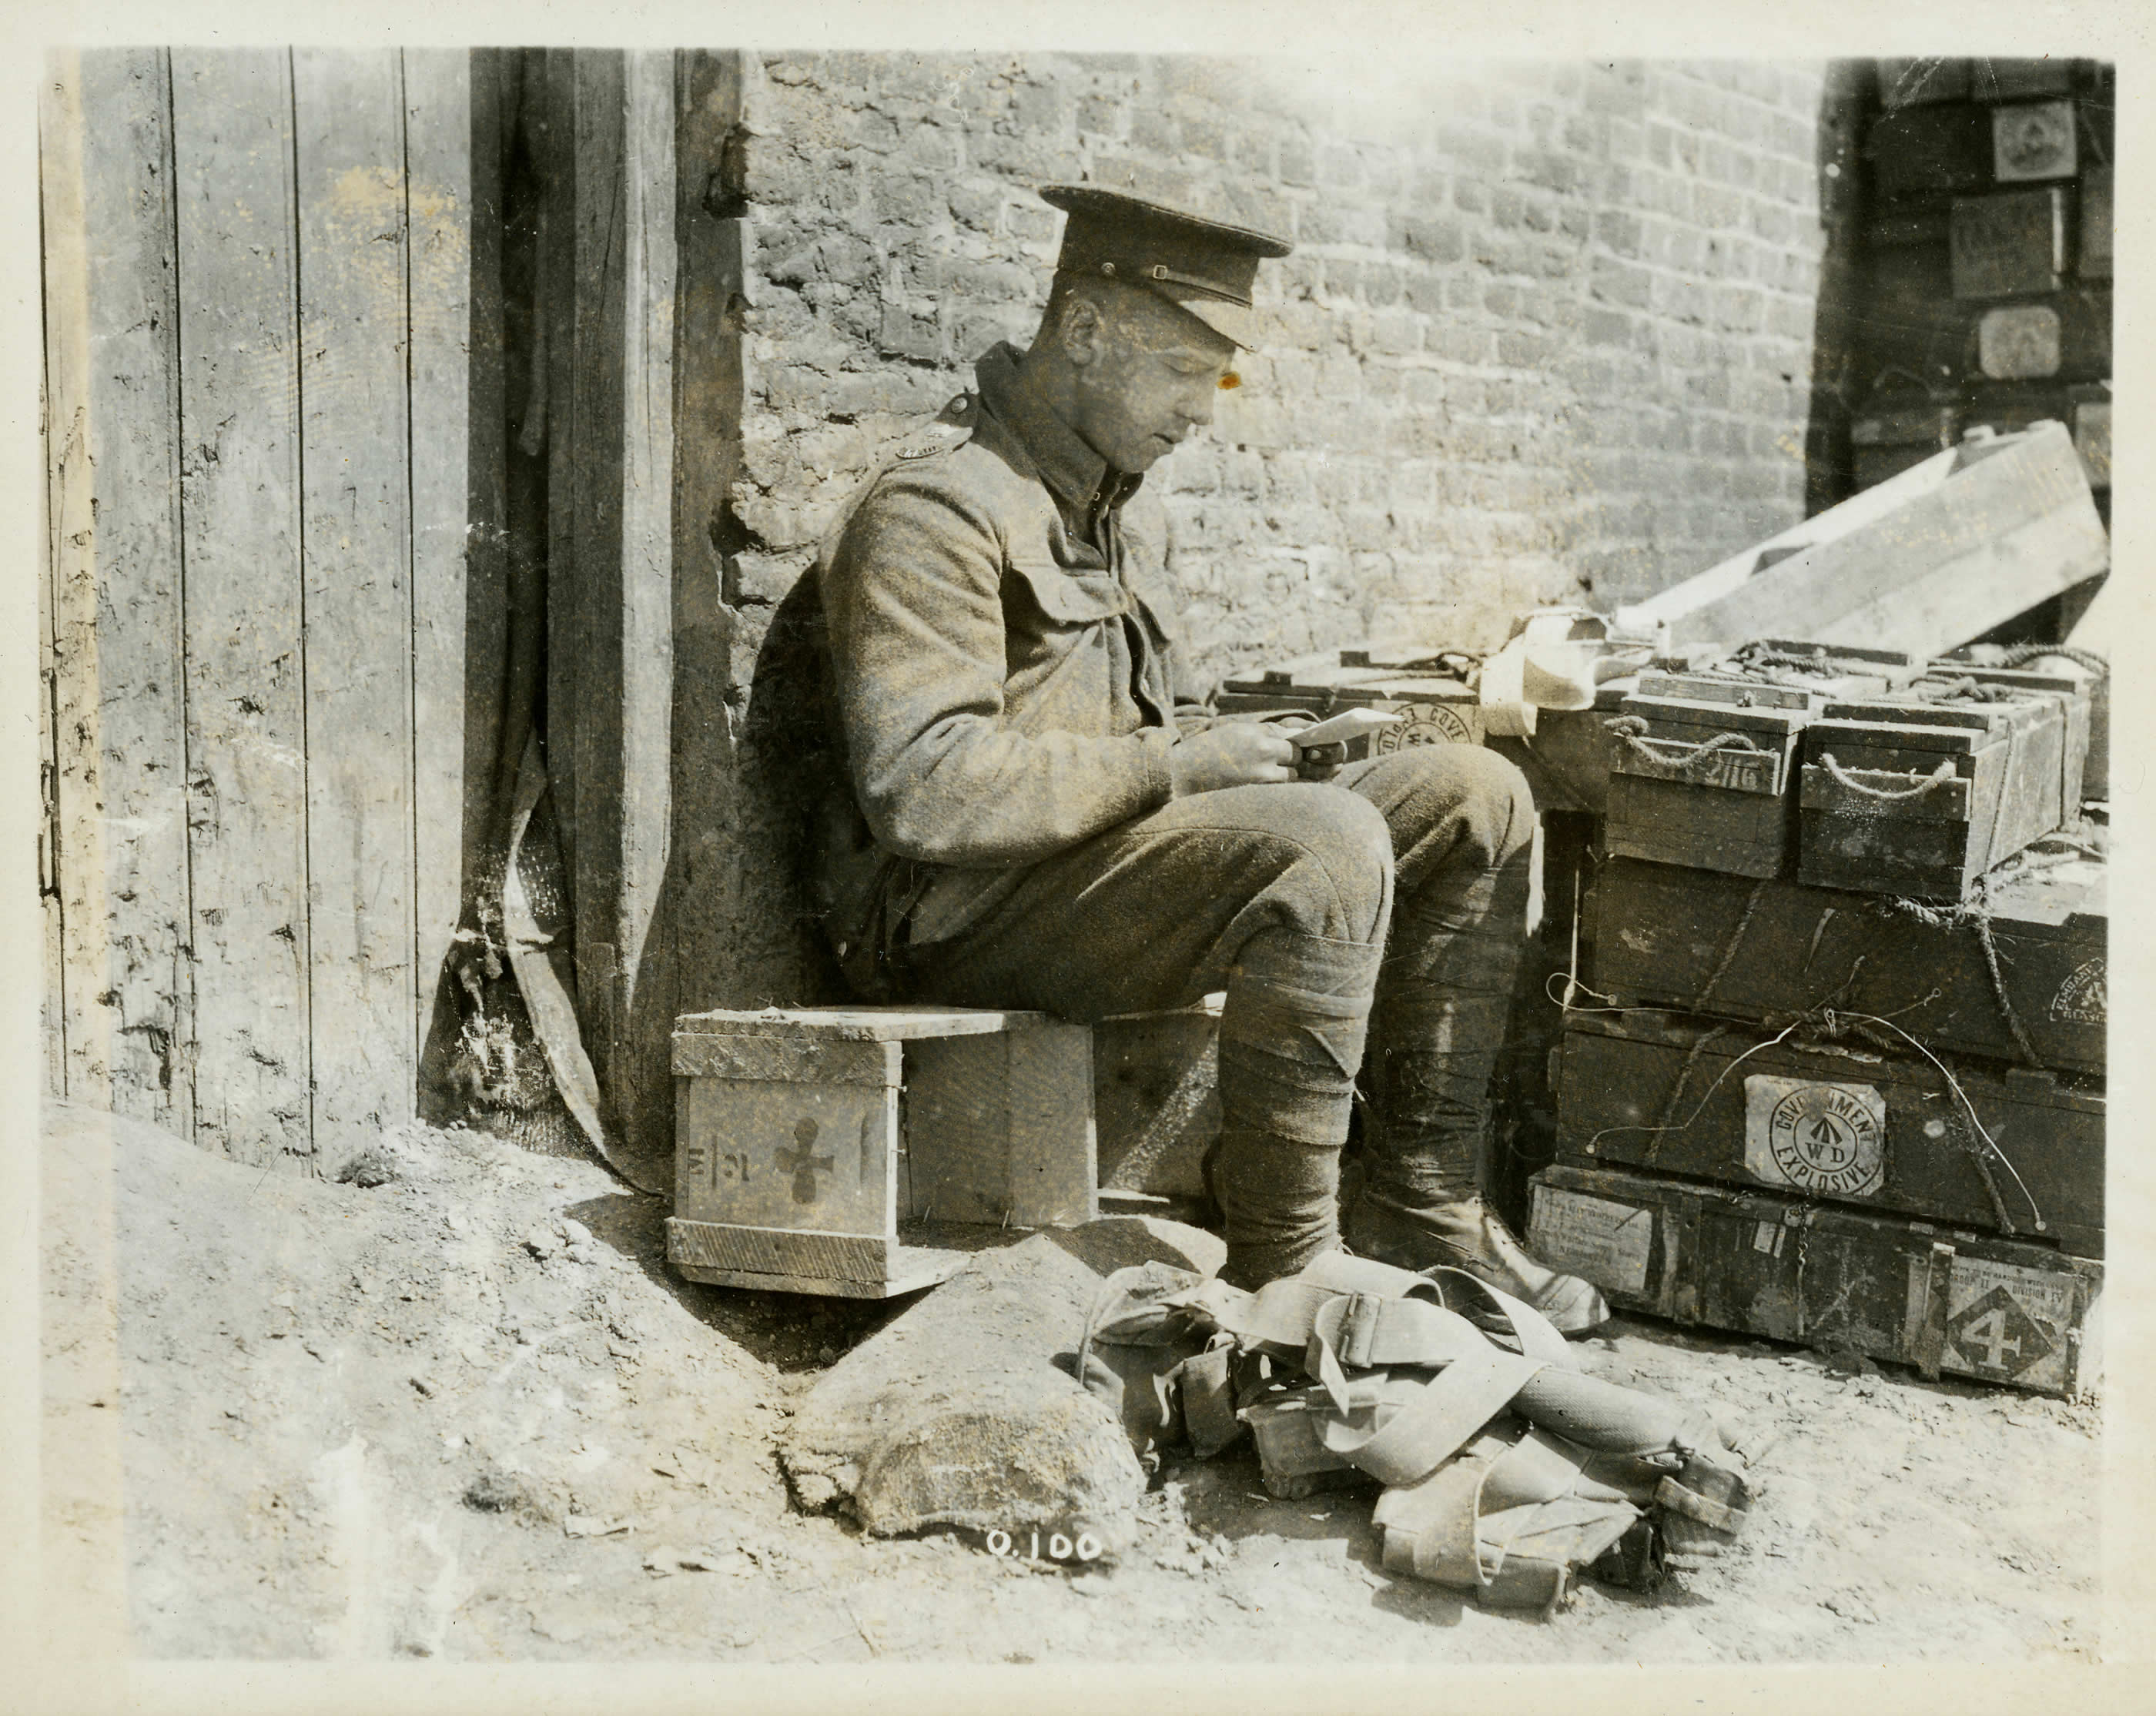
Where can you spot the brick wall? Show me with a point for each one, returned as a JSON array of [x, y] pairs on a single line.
[[1546, 334]]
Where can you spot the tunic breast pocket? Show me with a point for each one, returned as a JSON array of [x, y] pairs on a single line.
[[1062, 598]]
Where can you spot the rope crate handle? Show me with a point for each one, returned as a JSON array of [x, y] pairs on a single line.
[[1938, 778], [1697, 753]]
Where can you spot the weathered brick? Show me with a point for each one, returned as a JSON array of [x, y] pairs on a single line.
[[1432, 239], [1618, 282]]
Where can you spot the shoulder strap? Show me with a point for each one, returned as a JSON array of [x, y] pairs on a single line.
[[949, 430]]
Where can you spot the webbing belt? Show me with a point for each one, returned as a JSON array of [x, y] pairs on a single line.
[[1413, 1391], [1443, 1418]]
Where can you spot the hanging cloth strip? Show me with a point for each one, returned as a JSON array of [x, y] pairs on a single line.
[[553, 1014]]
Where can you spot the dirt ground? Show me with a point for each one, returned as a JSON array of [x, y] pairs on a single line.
[[465, 1413]]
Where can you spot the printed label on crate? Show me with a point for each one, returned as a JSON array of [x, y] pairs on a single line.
[[1424, 724], [785, 1156], [2081, 999], [1609, 1243], [2007, 1323], [2033, 142], [1829, 1140]]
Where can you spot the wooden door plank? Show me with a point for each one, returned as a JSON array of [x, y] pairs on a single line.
[[645, 999], [439, 99], [553, 135], [118, 711], [356, 539], [232, 129], [591, 713]]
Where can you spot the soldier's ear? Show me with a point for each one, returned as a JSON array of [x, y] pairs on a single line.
[[1081, 333]]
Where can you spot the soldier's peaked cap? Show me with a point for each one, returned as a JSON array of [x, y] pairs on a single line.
[[1206, 266]]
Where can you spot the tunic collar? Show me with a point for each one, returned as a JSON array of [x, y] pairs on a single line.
[[1082, 482]]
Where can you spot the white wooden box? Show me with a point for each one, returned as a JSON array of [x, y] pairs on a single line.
[[1924, 562], [863, 1152]]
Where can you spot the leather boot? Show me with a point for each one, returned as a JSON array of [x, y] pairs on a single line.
[[1442, 1005], [1469, 1236], [1291, 1038]]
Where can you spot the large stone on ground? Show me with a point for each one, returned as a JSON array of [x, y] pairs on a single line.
[[959, 1412]]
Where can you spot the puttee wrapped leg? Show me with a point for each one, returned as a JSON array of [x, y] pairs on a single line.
[[1291, 1040], [1442, 1008]]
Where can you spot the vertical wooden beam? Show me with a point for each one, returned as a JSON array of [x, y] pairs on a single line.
[[356, 473], [239, 486], [610, 317], [496, 79], [119, 748], [450, 362], [709, 390]]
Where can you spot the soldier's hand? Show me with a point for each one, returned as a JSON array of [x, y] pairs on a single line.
[[1236, 754], [1320, 762]]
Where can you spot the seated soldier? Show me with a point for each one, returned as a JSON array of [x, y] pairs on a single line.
[[1042, 815]]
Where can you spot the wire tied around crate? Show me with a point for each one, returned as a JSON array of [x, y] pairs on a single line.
[[1990, 1151], [1931, 783], [1728, 958], [1976, 912], [1697, 755], [1957, 1130], [1827, 1021]]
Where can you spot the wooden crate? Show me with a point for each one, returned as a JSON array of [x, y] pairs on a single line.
[[1157, 1107], [2071, 684], [1931, 151], [2093, 225], [1923, 563], [1434, 708], [1929, 427], [1920, 799], [1919, 82], [2012, 245], [1660, 933], [1678, 796], [2019, 80], [1569, 761], [861, 1152], [1837, 1123], [1945, 1300]]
